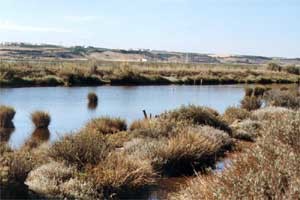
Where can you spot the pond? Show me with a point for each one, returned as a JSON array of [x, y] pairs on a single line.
[[69, 110]]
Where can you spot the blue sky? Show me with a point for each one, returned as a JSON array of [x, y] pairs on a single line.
[[252, 27]]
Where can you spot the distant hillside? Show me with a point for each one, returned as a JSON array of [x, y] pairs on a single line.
[[24, 51]]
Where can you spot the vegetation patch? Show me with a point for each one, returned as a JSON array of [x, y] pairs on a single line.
[[6, 116], [197, 115], [106, 125], [41, 119]]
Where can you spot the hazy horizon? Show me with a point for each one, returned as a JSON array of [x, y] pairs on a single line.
[[261, 28]]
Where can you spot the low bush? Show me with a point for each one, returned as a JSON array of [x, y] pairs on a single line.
[[106, 125], [140, 124], [248, 91], [270, 170], [268, 113], [246, 130], [48, 179], [41, 119], [119, 172], [293, 70], [17, 165], [251, 103], [274, 67], [180, 153], [6, 116], [92, 97], [80, 149], [197, 115], [232, 114], [282, 99]]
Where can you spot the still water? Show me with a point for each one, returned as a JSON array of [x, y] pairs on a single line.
[[69, 109]]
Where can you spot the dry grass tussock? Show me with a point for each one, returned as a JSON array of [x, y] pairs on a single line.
[[41, 119], [287, 98], [180, 153], [80, 149], [246, 130], [233, 114], [16, 164], [120, 171], [251, 103], [197, 115], [270, 170], [106, 125]]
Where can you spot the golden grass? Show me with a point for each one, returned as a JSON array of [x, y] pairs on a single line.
[[106, 125], [180, 152], [122, 172], [197, 115], [80, 149], [232, 114]]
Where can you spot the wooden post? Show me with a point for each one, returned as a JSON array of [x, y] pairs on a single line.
[[145, 114]]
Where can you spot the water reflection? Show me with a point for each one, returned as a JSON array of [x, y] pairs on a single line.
[[5, 134], [38, 137], [41, 134], [92, 105]]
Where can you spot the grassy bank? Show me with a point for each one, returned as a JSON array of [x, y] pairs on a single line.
[[267, 170], [107, 157], [87, 73]]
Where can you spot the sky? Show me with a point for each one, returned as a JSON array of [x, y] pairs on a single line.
[[245, 27]]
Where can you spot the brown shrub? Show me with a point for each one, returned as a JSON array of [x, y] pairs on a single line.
[[80, 149], [92, 97], [197, 115], [233, 113], [181, 152], [251, 103], [140, 124], [270, 170], [286, 99], [246, 130], [248, 91], [106, 125], [120, 172], [40, 119]]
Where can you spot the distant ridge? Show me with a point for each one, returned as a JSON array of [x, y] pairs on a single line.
[[24, 51]]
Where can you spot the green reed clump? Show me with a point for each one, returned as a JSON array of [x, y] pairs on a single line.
[[106, 125], [6, 116], [41, 119]]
